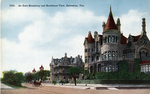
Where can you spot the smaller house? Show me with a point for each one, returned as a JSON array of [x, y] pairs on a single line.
[[58, 67]]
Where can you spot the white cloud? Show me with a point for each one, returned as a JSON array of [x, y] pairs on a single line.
[[45, 36], [17, 15], [131, 23]]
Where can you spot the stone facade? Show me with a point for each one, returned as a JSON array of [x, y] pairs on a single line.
[[103, 52], [58, 67]]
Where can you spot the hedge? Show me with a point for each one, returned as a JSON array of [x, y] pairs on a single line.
[[97, 81]]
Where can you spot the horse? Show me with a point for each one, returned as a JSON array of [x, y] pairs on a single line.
[[37, 83]]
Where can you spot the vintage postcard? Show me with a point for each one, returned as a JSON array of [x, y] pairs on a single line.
[[87, 43]]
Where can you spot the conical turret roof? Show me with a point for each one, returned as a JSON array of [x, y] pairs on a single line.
[[90, 39], [110, 22]]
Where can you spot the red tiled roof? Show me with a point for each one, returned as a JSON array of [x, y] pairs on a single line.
[[110, 22], [123, 39], [90, 39], [136, 38], [41, 67], [144, 62], [34, 70], [101, 41]]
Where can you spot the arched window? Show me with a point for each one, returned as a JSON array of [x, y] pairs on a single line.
[[132, 54], [116, 55], [109, 68], [113, 39], [105, 39], [113, 55], [89, 50], [106, 69], [89, 59], [92, 58], [106, 55], [109, 39], [116, 39], [113, 68], [109, 55], [123, 56], [97, 58], [63, 70]]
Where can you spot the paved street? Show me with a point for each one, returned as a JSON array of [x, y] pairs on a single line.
[[64, 89]]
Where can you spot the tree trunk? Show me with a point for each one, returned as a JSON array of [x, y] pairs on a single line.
[[74, 80]]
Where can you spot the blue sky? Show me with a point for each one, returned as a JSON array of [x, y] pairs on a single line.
[[32, 35]]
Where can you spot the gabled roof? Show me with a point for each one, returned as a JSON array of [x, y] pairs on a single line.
[[136, 38], [144, 62], [90, 39], [110, 22], [123, 39]]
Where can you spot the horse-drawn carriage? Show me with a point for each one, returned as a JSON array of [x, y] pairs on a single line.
[[36, 84]]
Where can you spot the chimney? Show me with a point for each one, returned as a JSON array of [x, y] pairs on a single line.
[[118, 24], [143, 26], [103, 26], [65, 54], [78, 56], [95, 34]]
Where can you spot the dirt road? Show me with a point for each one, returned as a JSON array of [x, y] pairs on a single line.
[[63, 90]]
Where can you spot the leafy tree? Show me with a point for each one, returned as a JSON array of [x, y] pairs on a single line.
[[8, 77], [18, 78], [43, 74], [13, 78], [74, 71], [35, 76], [29, 78]]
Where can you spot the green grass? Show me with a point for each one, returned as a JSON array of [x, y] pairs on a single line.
[[13, 86]]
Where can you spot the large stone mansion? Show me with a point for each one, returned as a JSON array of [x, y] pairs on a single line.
[[104, 51], [58, 67]]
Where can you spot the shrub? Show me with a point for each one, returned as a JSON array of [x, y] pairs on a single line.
[[12, 78], [54, 82]]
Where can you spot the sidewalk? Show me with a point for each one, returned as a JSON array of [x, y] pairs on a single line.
[[98, 86], [3, 86]]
